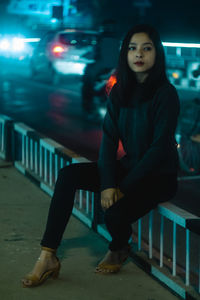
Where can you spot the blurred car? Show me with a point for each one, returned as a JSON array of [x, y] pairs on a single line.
[[63, 52]]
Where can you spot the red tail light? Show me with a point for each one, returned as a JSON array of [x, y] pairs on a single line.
[[57, 50], [111, 81]]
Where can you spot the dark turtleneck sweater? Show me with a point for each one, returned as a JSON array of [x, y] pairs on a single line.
[[147, 132]]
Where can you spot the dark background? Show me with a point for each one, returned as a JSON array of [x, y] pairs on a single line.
[[176, 20]]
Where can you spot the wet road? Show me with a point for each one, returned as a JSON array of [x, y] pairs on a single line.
[[52, 110]]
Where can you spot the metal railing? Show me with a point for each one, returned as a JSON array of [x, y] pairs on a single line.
[[5, 137], [41, 158], [162, 263]]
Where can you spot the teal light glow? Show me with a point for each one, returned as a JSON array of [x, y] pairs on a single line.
[[4, 44], [184, 45], [31, 40], [54, 20], [17, 44]]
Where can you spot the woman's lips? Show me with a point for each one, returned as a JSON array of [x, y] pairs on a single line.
[[139, 63]]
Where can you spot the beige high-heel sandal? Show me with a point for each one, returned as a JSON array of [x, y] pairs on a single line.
[[35, 280], [108, 268]]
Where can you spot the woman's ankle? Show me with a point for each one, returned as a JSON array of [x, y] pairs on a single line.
[[47, 249]]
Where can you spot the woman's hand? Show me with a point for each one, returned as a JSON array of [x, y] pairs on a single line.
[[110, 196], [119, 194]]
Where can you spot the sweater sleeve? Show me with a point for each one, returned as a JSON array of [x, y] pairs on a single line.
[[165, 115], [108, 148]]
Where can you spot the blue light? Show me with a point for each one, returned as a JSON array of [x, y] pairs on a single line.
[[183, 45], [4, 44], [17, 44], [54, 20]]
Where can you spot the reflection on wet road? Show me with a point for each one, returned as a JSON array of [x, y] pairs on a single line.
[[53, 111]]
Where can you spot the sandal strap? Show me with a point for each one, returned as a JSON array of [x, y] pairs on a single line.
[[49, 249], [108, 268]]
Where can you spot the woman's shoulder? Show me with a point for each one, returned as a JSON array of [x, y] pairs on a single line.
[[166, 95], [167, 87]]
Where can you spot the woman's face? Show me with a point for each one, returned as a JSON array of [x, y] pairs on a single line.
[[141, 55]]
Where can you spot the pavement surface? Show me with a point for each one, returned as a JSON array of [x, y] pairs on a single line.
[[23, 212]]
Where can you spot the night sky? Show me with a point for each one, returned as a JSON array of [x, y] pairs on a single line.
[[176, 20]]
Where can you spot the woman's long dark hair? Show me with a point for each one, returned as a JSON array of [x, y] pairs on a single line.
[[126, 79]]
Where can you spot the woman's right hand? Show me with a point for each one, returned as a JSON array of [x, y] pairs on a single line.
[[110, 196]]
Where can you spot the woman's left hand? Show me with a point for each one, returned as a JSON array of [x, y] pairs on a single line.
[[119, 194]]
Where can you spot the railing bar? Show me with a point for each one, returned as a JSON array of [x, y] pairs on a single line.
[[56, 166], [80, 199], [139, 233], [45, 165], [174, 250], [87, 201], [36, 157], [92, 206], [3, 136], [23, 149], [61, 162], [50, 168], [161, 240], [41, 161], [27, 152], [187, 271], [31, 154], [151, 234]]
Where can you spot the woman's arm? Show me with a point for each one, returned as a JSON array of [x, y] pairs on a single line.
[[108, 149], [165, 115]]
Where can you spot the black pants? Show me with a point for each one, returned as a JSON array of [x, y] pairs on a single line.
[[119, 217]]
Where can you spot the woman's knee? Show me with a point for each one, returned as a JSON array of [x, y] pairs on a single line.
[[67, 174]]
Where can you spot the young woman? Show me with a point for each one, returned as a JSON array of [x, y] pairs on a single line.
[[142, 112]]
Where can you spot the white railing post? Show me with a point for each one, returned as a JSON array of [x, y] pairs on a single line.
[[87, 201], [2, 136], [36, 157], [187, 264], [23, 150], [139, 234], [174, 250], [41, 161], [161, 240], [151, 234], [80, 199], [27, 151], [31, 154], [50, 169]]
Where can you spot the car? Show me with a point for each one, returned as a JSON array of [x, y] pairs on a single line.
[[63, 52]]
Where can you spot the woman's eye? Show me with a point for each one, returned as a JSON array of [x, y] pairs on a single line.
[[131, 48], [147, 48]]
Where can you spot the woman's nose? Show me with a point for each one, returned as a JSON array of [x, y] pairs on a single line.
[[138, 54]]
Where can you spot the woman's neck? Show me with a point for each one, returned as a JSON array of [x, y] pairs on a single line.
[[141, 77]]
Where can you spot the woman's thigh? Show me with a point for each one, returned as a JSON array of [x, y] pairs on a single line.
[[140, 200], [83, 176]]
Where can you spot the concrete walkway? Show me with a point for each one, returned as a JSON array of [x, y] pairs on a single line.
[[23, 212]]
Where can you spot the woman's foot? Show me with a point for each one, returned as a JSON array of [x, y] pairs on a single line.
[[46, 266], [113, 260]]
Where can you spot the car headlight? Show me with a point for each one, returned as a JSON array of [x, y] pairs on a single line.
[[4, 45], [17, 44]]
